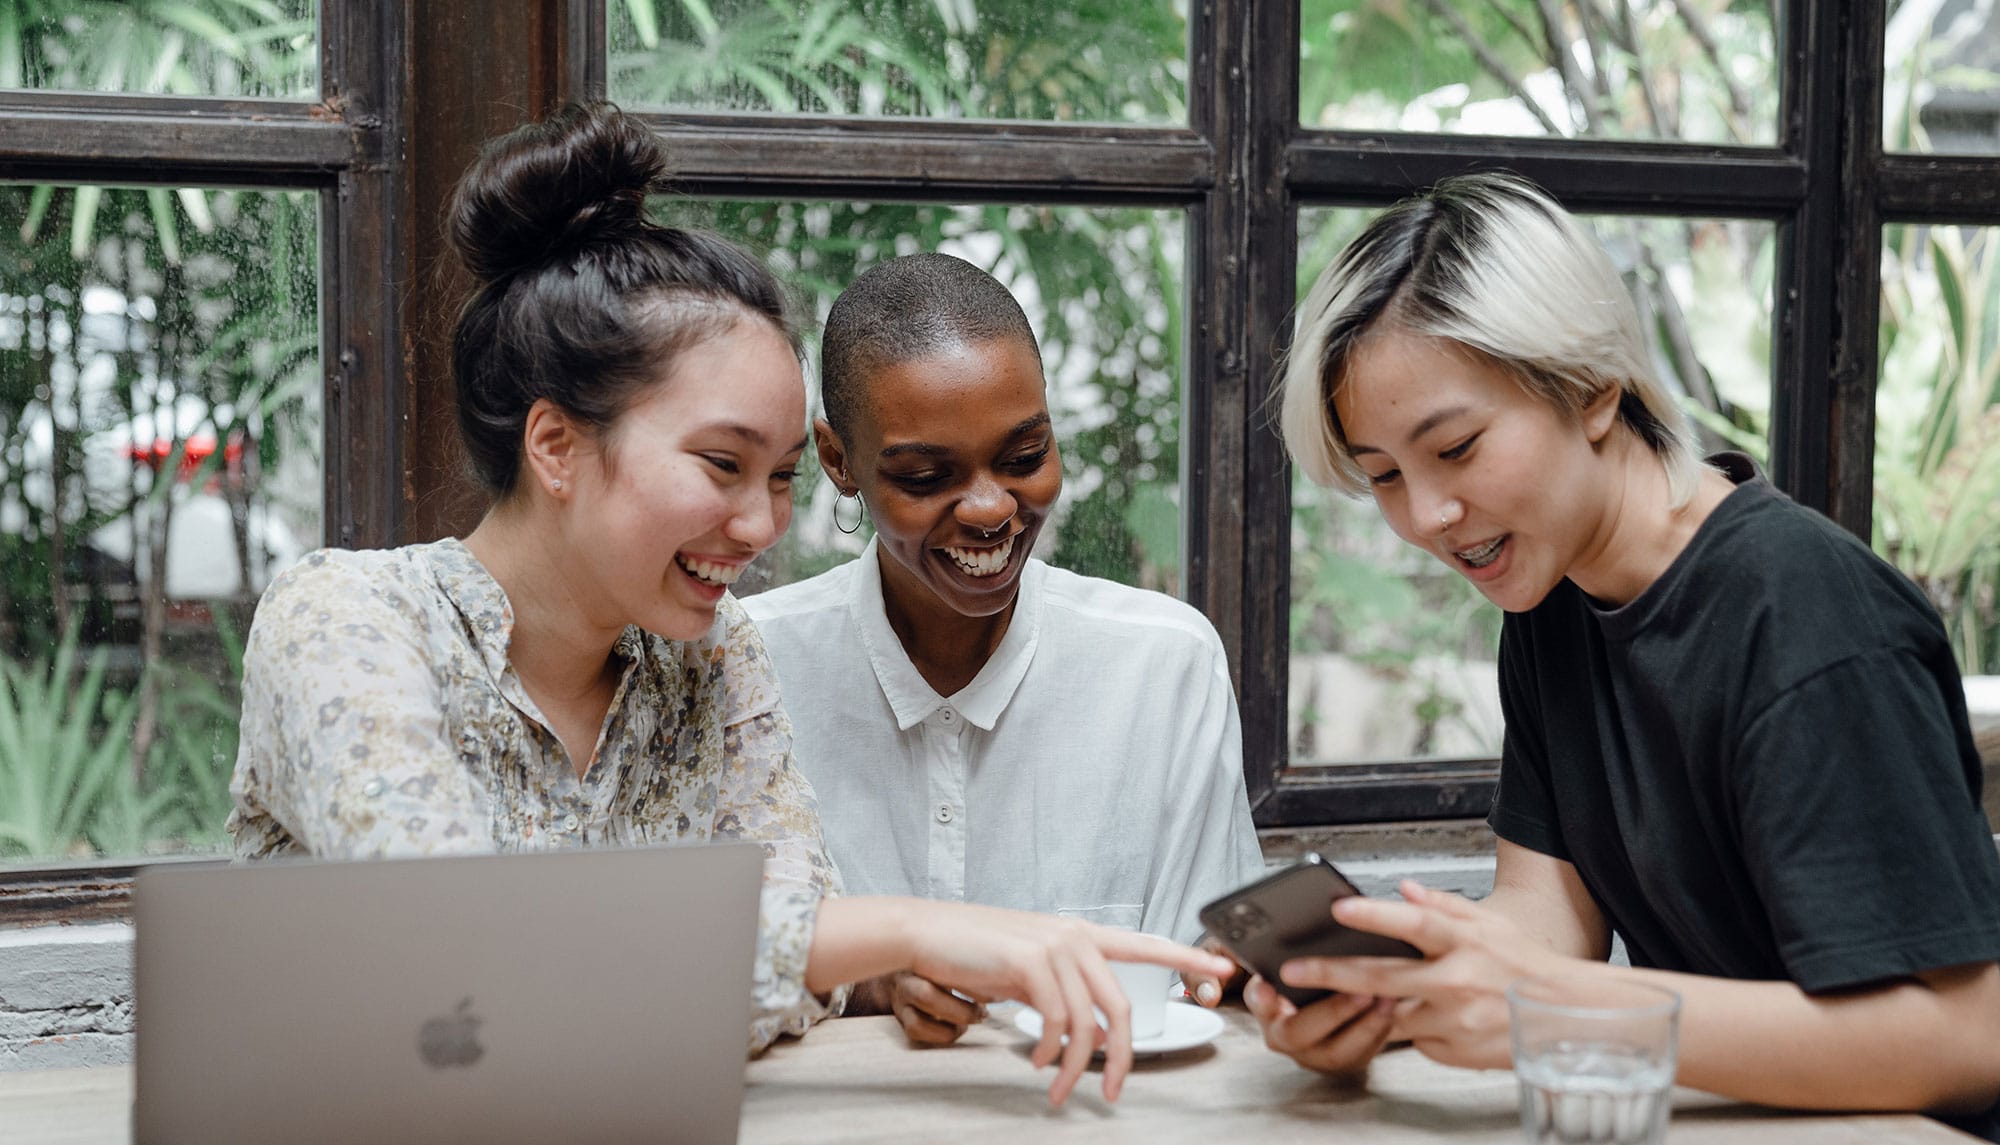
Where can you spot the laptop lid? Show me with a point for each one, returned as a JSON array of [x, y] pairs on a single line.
[[598, 995]]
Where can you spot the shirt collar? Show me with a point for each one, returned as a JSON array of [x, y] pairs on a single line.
[[479, 599], [489, 621], [910, 696]]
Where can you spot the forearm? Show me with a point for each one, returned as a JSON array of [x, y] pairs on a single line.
[[855, 939], [1911, 1045]]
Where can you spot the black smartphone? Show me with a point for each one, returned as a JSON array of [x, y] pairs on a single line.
[[1289, 915]]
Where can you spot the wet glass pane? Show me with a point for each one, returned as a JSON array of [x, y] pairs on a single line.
[[1392, 653], [1696, 70], [1941, 81], [251, 48], [1120, 61], [1102, 289], [159, 463], [1937, 435]]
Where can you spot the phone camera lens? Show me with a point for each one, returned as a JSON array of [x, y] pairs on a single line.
[[1245, 919]]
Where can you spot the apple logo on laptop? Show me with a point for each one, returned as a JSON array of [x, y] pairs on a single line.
[[451, 1039]]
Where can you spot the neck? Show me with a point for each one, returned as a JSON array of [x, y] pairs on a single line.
[[1640, 531], [559, 647], [948, 648]]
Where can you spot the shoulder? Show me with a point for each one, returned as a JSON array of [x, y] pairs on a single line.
[[1791, 573], [826, 592], [1121, 620], [331, 588]]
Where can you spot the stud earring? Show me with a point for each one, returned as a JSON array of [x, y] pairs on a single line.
[[556, 485]]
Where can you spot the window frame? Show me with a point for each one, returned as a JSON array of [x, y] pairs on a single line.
[[1244, 165], [401, 112], [347, 147]]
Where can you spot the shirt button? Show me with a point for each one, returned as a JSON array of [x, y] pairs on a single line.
[[571, 822], [944, 813], [947, 715], [374, 788]]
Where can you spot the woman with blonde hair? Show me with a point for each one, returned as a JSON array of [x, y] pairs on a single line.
[[1735, 738]]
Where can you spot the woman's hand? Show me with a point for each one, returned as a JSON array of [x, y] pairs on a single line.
[[930, 1014], [1209, 989], [1057, 965], [1454, 1001], [1338, 1035]]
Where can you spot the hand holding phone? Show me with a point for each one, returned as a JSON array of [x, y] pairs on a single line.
[[1289, 915]]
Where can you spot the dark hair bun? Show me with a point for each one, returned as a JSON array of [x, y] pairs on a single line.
[[548, 188]]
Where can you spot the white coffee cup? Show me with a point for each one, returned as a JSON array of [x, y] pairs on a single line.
[[1145, 987]]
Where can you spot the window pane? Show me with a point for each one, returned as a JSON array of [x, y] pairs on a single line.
[[1102, 288], [1937, 428], [159, 462], [1392, 653], [1122, 61], [1697, 70], [266, 49], [1941, 86]]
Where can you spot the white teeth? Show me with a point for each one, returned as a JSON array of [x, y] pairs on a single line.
[[709, 573], [983, 562], [1484, 554]]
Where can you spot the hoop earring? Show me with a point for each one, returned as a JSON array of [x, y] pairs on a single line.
[[860, 511]]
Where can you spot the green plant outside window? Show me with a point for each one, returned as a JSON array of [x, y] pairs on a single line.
[[254, 48], [1119, 61], [1697, 70], [159, 462]]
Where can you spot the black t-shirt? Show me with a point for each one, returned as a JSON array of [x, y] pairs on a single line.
[[1761, 768]]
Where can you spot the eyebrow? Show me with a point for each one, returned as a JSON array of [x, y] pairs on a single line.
[[755, 437], [926, 449], [1435, 419]]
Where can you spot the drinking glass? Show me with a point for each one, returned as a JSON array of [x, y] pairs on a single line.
[[1595, 1059]]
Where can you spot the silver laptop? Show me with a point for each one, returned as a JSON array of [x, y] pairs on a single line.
[[566, 996]]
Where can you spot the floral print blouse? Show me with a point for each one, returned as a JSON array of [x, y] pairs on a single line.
[[381, 718]]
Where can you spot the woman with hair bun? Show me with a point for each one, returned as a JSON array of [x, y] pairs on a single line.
[[1735, 738], [574, 672]]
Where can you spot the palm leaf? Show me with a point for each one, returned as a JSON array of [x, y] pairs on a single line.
[[38, 209]]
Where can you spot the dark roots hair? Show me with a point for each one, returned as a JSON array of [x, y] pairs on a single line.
[[581, 298]]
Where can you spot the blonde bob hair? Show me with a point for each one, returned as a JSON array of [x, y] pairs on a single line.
[[1491, 263]]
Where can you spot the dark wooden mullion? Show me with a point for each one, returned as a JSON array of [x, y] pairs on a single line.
[[128, 143], [589, 49], [457, 101], [1857, 278], [952, 160], [1822, 416], [1588, 175], [364, 250], [1940, 189], [1243, 239]]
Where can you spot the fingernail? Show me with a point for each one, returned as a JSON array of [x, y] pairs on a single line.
[[1209, 994]]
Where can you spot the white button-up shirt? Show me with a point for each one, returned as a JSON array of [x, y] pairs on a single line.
[[1092, 768]]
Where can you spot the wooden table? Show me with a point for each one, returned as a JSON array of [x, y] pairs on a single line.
[[857, 1080]]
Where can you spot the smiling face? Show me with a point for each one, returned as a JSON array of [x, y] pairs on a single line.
[[956, 460], [1467, 465], [691, 482]]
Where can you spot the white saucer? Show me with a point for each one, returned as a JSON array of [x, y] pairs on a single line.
[[1188, 1026]]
